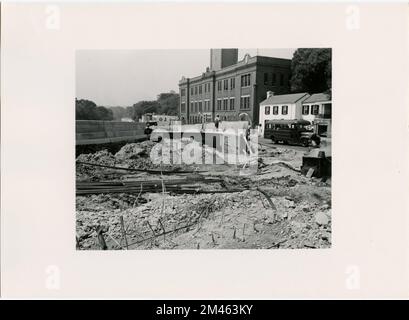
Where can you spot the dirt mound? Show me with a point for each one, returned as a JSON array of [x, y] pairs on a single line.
[[102, 157], [131, 151], [132, 155]]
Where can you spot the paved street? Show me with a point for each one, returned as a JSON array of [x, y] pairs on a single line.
[[268, 142]]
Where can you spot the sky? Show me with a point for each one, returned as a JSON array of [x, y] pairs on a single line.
[[124, 77]]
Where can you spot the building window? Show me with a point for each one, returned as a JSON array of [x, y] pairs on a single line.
[[191, 107], [182, 92], [245, 80], [225, 104], [315, 109], [245, 102], [284, 110], [281, 79], [267, 110], [196, 106], [327, 110], [200, 89], [191, 91], [219, 85], [265, 78], [273, 80], [275, 109], [196, 90], [226, 85], [208, 87], [232, 83], [183, 107], [219, 104], [305, 109], [200, 106], [231, 103]]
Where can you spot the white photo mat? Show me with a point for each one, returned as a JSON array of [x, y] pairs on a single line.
[[369, 253]]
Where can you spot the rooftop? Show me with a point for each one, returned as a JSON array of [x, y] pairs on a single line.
[[284, 98], [318, 97]]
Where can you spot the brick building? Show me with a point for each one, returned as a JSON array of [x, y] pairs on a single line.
[[232, 89]]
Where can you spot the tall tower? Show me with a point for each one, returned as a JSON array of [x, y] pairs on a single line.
[[221, 58]]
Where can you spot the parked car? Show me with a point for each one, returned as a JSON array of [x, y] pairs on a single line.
[[291, 132]]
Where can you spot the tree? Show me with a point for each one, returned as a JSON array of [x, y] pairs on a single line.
[[88, 110], [311, 71], [130, 112], [143, 107], [166, 103], [119, 113], [103, 113], [169, 103]]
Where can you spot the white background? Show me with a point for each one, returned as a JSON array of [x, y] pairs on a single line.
[[369, 256]]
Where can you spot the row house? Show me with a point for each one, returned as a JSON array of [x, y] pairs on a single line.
[[315, 108]]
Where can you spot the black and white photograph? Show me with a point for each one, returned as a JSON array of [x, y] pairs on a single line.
[[204, 154], [223, 148]]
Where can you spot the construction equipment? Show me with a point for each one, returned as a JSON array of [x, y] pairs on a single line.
[[316, 164]]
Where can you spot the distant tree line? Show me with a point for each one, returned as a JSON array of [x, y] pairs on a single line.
[[311, 71], [88, 110], [166, 103]]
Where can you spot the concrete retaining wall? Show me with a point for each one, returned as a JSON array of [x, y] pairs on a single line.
[[89, 132], [210, 126], [97, 132]]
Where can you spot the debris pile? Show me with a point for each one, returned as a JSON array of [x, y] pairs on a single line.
[[134, 150], [277, 207], [236, 220]]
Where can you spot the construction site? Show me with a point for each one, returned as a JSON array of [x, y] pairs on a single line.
[[127, 199]]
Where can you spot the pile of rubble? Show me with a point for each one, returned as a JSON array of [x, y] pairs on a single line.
[[299, 218], [132, 156], [236, 220]]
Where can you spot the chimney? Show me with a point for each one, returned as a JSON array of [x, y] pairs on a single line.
[[222, 58], [270, 94]]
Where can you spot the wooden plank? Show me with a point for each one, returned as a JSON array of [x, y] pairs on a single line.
[[310, 172]]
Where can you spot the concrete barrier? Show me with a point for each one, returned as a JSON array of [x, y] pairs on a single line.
[[98, 132], [223, 125], [210, 126]]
